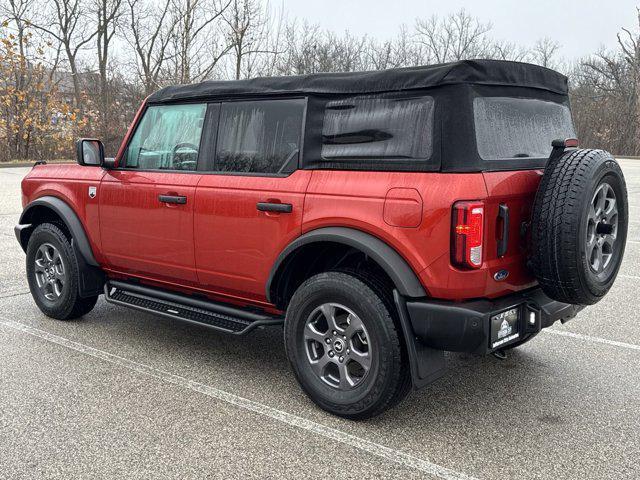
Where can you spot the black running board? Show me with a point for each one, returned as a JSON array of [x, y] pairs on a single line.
[[223, 318]]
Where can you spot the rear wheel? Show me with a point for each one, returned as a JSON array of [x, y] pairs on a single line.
[[344, 347], [53, 273]]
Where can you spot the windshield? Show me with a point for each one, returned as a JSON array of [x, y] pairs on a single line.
[[510, 128]]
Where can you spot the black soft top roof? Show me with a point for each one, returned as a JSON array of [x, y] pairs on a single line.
[[480, 72]]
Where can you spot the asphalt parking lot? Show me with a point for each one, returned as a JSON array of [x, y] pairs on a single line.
[[125, 394]]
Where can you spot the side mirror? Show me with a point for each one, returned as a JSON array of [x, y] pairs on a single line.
[[90, 152]]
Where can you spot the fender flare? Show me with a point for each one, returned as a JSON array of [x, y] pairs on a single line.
[[401, 274], [70, 219]]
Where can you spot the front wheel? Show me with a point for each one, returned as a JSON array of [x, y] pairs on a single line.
[[53, 274], [344, 346]]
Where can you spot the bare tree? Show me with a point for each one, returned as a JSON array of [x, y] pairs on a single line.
[[308, 49], [606, 96], [630, 45], [400, 51], [68, 22], [507, 51], [197, 38], [108, 13], [544, 52], [458, 36], [149, 28], [250, 35], [17, 12]]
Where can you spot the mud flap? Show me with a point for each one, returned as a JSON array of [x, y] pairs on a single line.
[[427, 364], [90, 279]]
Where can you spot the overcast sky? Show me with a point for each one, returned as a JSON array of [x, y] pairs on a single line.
[[580, 26]]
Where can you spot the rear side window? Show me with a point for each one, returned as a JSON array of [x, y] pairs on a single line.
[[369, 127], [167, 138], [509, 128], [259, 136]]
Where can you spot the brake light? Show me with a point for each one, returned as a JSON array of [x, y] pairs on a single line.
[[467, 234]]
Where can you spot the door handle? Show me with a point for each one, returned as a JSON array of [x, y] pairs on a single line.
[[274, 207], [176, 199]]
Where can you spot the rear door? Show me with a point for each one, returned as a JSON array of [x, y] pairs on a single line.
[[146, 205], [249, 203]]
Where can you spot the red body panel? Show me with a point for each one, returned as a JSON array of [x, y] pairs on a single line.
[[219, 244], [357, 200], [143, 236], [69, 182], [236, 245]]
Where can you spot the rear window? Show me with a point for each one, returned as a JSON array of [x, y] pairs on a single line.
[[509, 128], [368, 127], [260, 136]]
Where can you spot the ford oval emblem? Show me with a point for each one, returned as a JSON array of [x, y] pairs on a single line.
[[500, 275]]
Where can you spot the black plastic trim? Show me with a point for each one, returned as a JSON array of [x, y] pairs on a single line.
[[252, 319], [175, 199], [426, 364], [389, 260], [503, 241], [70, 219], [465, 326], [274, 207]]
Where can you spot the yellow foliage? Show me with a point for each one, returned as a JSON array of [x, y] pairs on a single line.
[[35, 119]]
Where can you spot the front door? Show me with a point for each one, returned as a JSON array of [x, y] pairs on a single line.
[[249, 205], [147, 203]]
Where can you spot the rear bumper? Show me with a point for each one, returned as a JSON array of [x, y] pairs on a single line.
[[466, 326]]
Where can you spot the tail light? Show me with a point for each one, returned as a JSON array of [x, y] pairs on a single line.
[[467, 232]]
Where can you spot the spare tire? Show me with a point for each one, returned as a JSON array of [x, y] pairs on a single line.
[[579, 226]]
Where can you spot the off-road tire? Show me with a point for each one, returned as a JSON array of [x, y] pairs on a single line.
[[560, 218], [384, 290], [385, 381], [69, 305]]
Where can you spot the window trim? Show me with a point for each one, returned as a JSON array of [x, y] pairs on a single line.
[[123, 159], [210, 169]]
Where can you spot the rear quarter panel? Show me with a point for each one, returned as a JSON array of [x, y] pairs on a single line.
[[361, 200], [357, 200], [70, 183]]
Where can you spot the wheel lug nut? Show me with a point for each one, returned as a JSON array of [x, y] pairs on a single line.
[[342, 359], [327, 340], [348, 351], [344, 337], [331, 354], [335, 333]]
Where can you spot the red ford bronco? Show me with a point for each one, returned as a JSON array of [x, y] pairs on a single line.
[[382, 217]]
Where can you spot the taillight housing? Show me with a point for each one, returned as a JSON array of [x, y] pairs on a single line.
[[467, 234]]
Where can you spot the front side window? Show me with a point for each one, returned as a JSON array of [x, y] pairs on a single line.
[[259, 136], [167, 138], [371, 127], [519, 128]]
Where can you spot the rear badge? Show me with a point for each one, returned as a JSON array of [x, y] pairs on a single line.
[[500, 275], [92, 192]]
